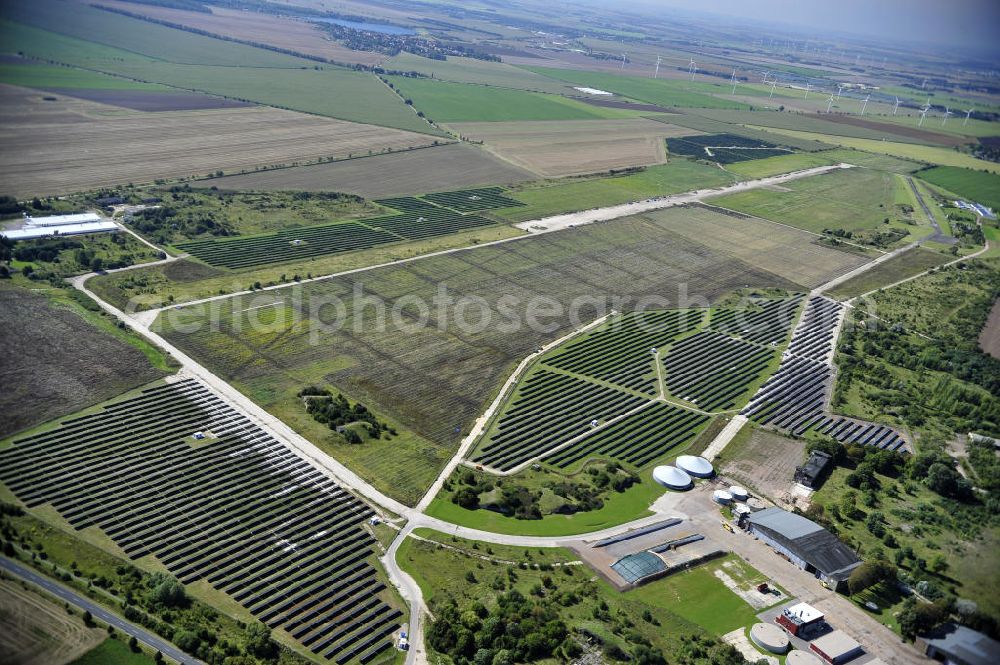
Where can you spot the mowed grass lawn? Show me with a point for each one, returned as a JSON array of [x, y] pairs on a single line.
[[851, 199], [975, 185], [553, 198], [769, 166], [113, 652], [654, 91], [618, 508], [464, 102], [899, 267]]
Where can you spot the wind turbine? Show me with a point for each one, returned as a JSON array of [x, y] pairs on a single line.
[[865, 105], [967, 114], [896, 107], [924, 83], [624, 56], [829, 103], [734, 81], [947, 113], [806, 96], [773, 83], [923, 114], [692, 68], [840, 86], [656, 73]]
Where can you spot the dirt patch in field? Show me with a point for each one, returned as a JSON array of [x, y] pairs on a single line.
[[36, 631], [898, 130], [989, 338], [577, 146], [283, 32], [765, 463], [439, 168], [55, 363], [150, 100], [72, 144]]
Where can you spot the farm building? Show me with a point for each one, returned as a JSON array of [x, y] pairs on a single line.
[[804, 543], [60, 225], [62, 220], [958, 645], [800, 619], [836, 647], [812, 473], [672, 477]]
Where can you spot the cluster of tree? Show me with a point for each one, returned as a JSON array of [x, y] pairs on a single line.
[[917, 617], [9, 205], [518, 629], [870, 573], [165, 222], [338, 414], [44, 250]]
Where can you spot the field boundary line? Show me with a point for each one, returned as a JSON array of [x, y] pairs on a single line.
[[479, 427], [560, 222]]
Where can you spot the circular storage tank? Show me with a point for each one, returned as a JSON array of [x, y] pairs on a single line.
[[723, 497], [798, 657], [769, 637], [739, 493], [672, 477], [696, 466]]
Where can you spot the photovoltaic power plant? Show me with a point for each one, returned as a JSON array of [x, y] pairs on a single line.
[[177, 473]]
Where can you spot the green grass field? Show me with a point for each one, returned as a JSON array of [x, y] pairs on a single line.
[[762, 168], [895, 269], [113, 652], [870, 160], [654, 91], [690, 602], [559, 196], [619, 508], [463, 102], [142, 51], [853, 200], [482, 72], [51, 76], [975, 185], [911, 151]]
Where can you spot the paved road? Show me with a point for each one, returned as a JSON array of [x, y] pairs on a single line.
[[938, 235], [98, 611]]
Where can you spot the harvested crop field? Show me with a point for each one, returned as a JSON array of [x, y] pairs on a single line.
[[151, 100], [36, 631], [436, 378], [56, 363], [921, 135], [71, 144], [415, 172], [574, 147], [784, 251]]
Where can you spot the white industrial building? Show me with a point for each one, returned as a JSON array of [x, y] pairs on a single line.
[[60, 225]]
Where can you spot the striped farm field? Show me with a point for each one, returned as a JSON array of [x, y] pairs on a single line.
[[641, 386]]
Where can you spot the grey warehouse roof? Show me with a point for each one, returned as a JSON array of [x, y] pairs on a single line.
[[808, 540], [964, 644]]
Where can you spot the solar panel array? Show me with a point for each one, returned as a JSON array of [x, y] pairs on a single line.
[[237, 509], [795, 398]]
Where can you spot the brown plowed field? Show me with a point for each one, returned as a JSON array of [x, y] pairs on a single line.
[[151, 100], [57, 147], [35, 631]]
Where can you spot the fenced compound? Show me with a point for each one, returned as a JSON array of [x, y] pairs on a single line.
[[766, 321], [795, 398], [551, 408], [471, 200], [237, 509], [724, 148], [713, 370], [621, 353], [638, 438], [434, 215]]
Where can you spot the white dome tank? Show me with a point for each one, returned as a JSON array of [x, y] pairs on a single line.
[[696, 466], [769, 637], [722, 496], [672, 477], [739, 493]]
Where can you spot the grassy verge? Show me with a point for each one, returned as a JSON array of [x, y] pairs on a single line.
[[763, 168], [619, 508], [907, 264], [113, 652]]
